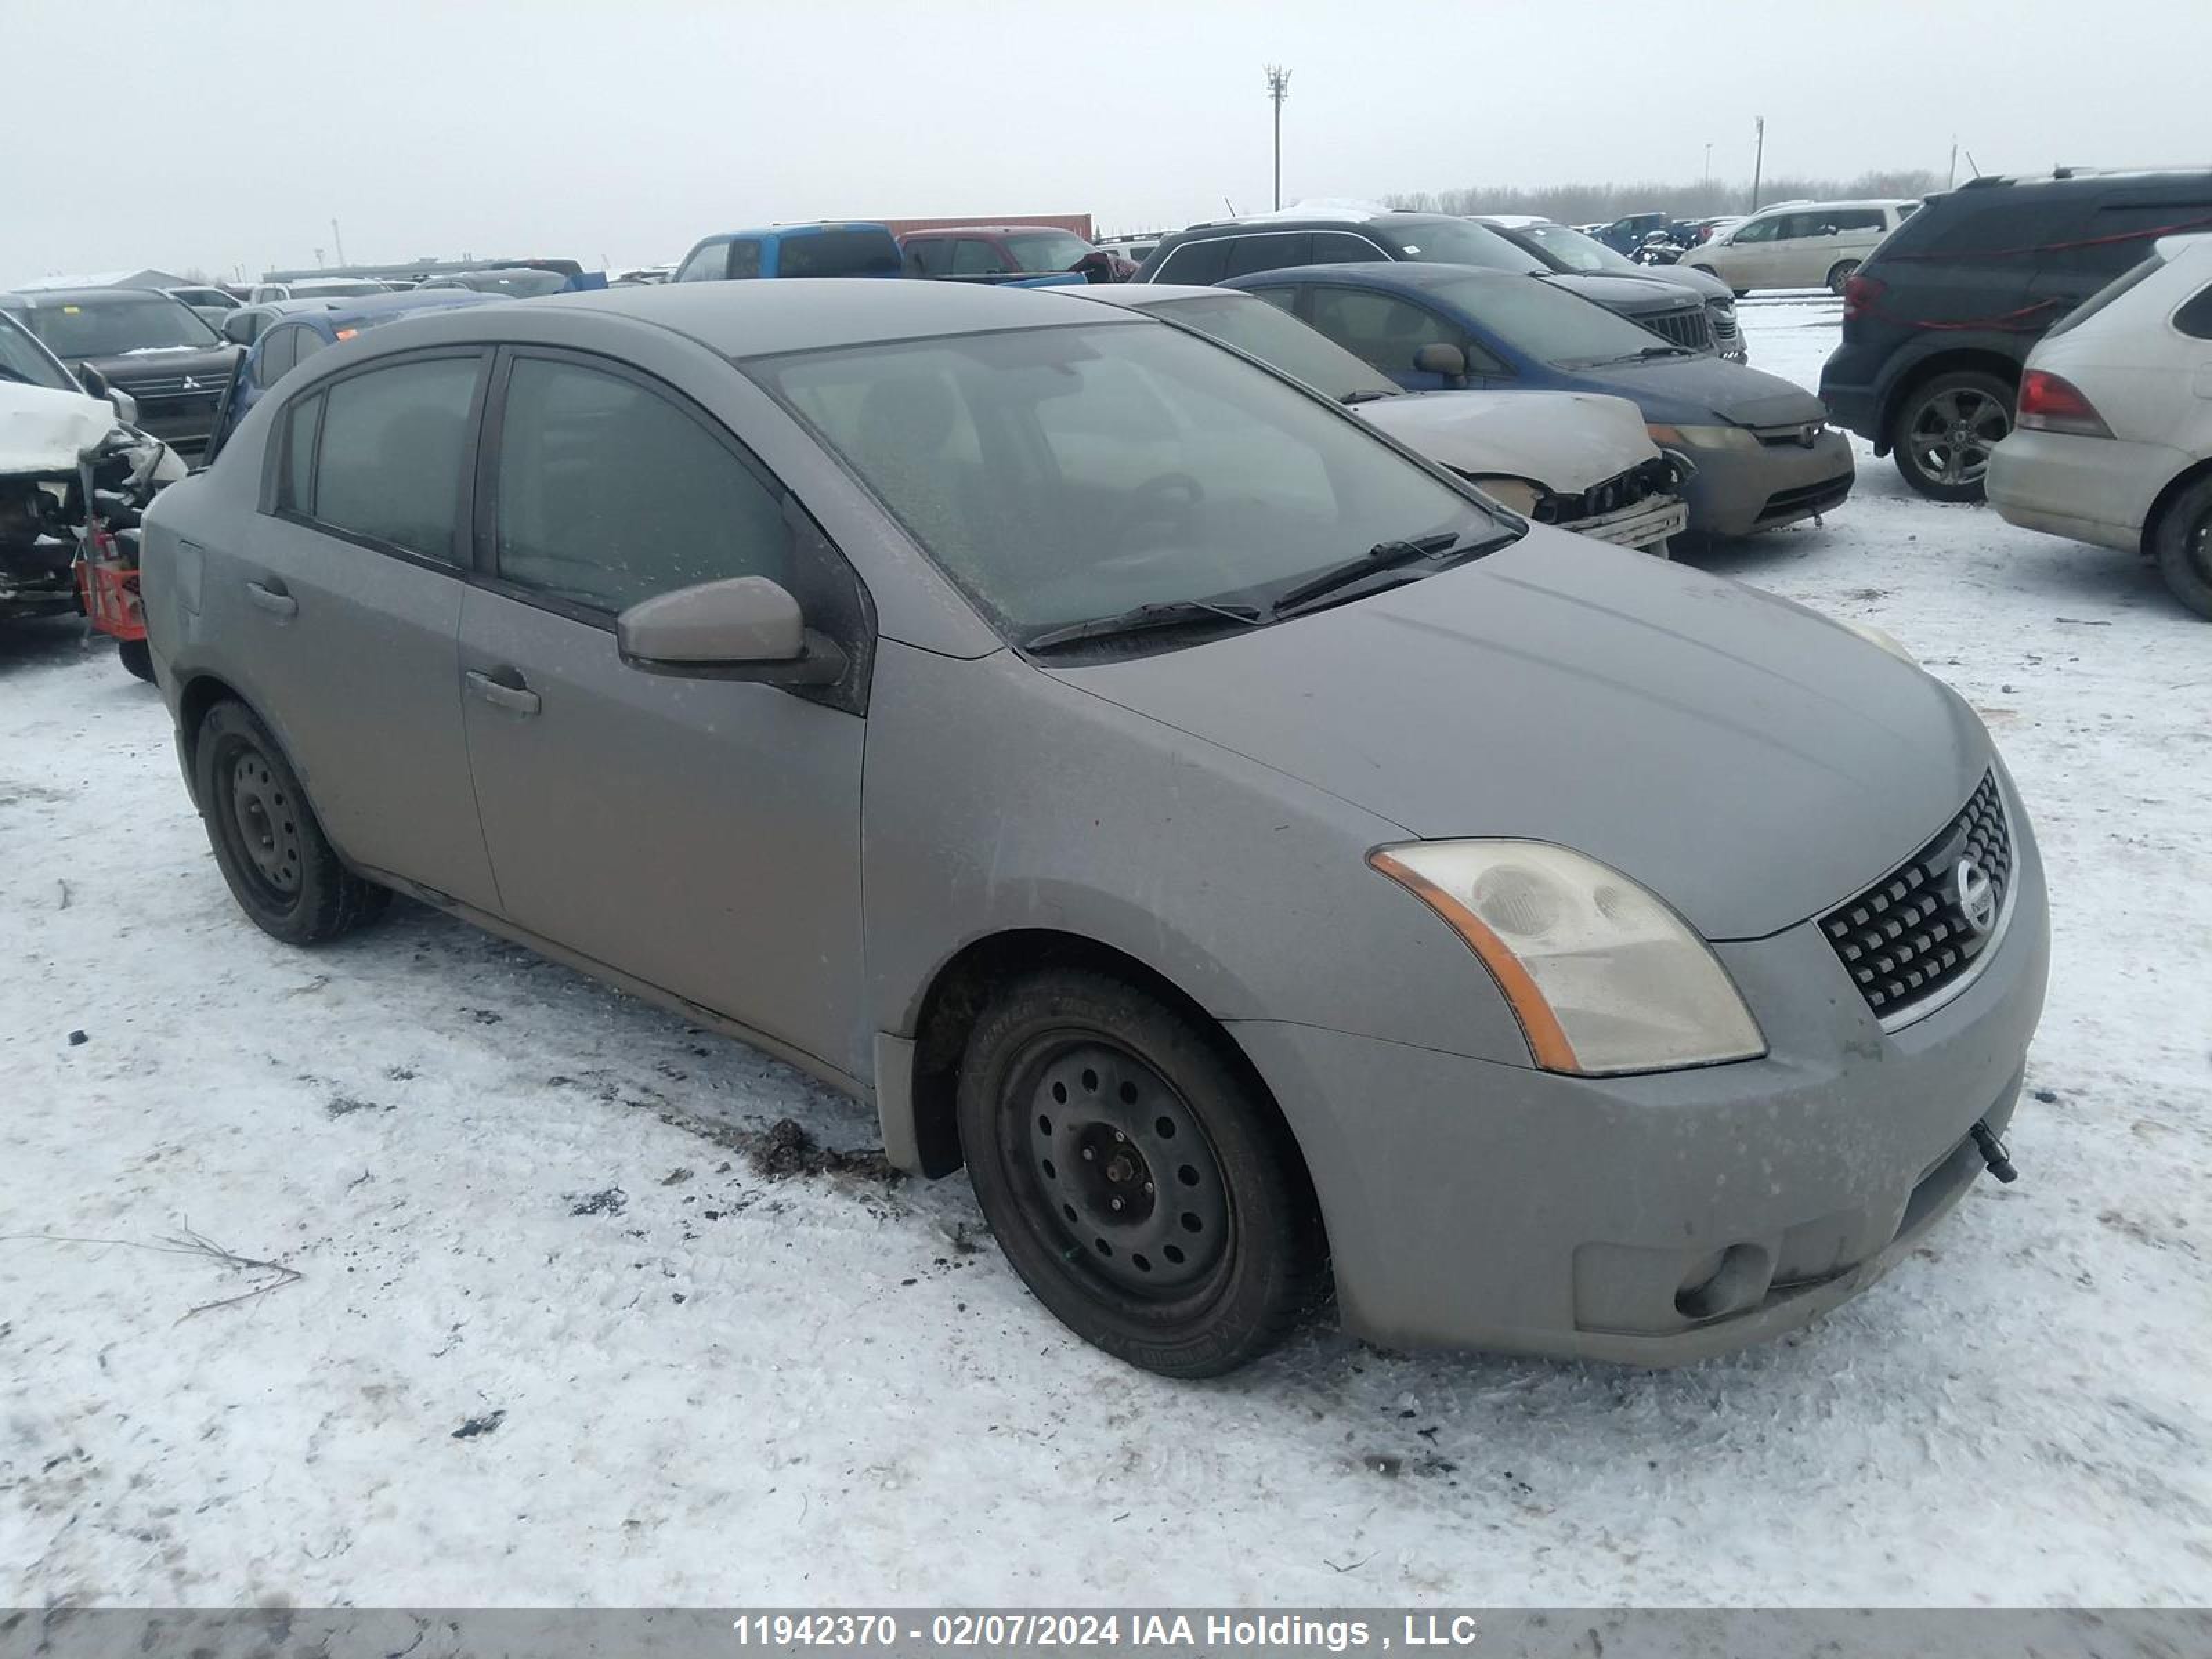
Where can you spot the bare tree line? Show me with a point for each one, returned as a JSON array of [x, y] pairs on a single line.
[[1581, 204]]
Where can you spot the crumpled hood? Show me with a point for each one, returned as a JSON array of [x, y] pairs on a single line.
[[1564, 441], [1744, 758], [42, 431]]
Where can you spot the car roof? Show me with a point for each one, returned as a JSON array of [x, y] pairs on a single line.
[[1395, 273], [810, 313], [1859, 201], [1139, 296], [807, 229], [989, 230], [371, 306]]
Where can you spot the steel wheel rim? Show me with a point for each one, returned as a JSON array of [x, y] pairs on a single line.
[[1121, 1164], [2196, 549], [1954, 432], [264, 824]]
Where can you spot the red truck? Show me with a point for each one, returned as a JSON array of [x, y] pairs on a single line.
[[987, 252]]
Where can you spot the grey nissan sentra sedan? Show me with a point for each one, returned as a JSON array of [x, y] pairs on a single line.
[[1264, 862]]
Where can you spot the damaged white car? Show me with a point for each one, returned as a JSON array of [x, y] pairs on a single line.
[[75, 476], [1574, 460]]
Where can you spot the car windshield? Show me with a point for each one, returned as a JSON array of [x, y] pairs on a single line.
[[1047, 250], [335, 290], [520, 284], [1579, 252], [1459, 242], [21, 359], [1060, 474], [108, 327], [1260, 330], [1546, 322], [839, 253]]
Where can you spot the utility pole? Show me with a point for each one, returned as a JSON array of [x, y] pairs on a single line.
[[1952, 177], [338, 241], [1709, 165], [1759, 160], [1279, 88]]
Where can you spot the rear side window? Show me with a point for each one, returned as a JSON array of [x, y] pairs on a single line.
[[280, 349], [1843, 219], [839, 253], [1278, 252], [928, 256], [296, 480], [609, 493], [1201, 263], [2195, 319], [744, 258], [390, 459], [1337, 247]]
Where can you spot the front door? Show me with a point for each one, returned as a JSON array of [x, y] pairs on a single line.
[[349, 598], [700, 835]]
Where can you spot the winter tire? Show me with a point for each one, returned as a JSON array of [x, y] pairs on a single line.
[[2183, 546], [138, 660], [1839, 273], [1136, 1184], [280, 866], [1945, 429]]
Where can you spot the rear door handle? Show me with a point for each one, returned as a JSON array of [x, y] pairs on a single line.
[[503, 687], [272, 597]]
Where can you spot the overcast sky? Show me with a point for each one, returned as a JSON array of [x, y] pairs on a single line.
[[225, 135]]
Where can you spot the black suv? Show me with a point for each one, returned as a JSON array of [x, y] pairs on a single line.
[[1940, 318], [1208, 253]]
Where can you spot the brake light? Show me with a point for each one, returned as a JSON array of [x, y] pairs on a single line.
[[1861, 295], [2049, 403]]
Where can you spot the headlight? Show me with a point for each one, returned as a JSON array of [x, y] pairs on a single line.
[[1601, 974], [1880, 636], [1517, 493]]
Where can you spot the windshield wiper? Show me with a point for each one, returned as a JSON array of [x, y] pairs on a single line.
[[1654, 351], [1173, 613], [1387, 555], [1364, 396]]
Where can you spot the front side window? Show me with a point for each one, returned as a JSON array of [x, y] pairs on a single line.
[[1381, 328], [1757, 230], [1042, 251], [1545, 323], [706, 265], [609, 493], [393, 445], [1066, 473], [972, 257], [839, 253]]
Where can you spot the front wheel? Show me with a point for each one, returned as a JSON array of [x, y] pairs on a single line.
[[1839, 273], [1133, 1179], [280, 868], [2183, 546], [136, 658], [1945, 430]]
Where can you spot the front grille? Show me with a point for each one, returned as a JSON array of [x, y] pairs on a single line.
[[1907, 938], [1803, 501], [207, 383], [1689, 327]]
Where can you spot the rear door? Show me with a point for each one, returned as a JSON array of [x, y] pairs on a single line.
[[700, 834], [347, 602]]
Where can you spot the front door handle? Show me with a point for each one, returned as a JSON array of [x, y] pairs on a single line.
[[270, 595], [503, 687]]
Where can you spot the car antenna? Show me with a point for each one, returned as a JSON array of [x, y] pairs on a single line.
[[1230, 205]]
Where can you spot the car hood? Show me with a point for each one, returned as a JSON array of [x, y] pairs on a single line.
[[208, 364], [1702, 285], [1702, 390], [43, 431], [1748, 761], [1630, 296], [1566, 441]]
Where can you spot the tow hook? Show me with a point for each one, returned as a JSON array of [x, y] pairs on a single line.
[[1993, 1153]]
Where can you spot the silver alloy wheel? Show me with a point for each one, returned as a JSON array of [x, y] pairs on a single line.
[[1952, 432]]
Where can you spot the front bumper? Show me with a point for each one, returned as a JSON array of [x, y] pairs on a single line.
[[1650, 521], [1742, 485], [1664, 1218], [2093, 489]]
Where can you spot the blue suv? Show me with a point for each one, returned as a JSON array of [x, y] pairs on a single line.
[[822, 250]]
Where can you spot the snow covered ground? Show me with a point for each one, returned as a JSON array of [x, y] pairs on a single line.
[[556, 1338]]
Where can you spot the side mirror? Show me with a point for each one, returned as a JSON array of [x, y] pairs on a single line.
[[94, 382], [1441, 357], [741, 627]]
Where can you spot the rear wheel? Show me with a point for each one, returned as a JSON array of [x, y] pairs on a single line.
[[2183, 547], [136, 659], [1839, 273], [1945, 430], [1132, 1178], [280, 866]]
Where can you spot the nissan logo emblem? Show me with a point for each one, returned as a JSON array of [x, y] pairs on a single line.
[[1978, 896]]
